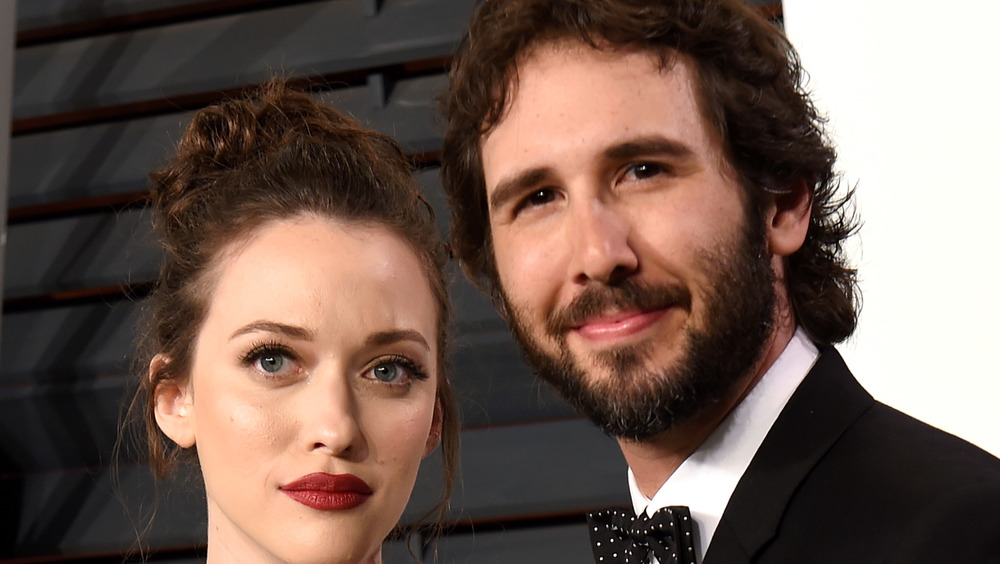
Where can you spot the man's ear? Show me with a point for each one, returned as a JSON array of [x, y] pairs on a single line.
[[173, 403], [437, 423], [788, 219]]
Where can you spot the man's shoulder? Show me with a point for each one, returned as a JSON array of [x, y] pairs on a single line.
[[866, 482], [893, 439], [889, 483], [873, 439], [915, 452]]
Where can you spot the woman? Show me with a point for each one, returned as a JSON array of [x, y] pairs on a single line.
[[298, 332]]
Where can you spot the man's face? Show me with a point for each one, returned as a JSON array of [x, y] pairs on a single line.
[[636, 281]]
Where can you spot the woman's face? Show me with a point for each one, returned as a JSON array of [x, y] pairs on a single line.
[[311, 398]]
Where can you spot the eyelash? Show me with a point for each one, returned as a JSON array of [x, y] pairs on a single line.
[[525, 202], [267, 348], [273, 348], [653, 168], [415, 370]]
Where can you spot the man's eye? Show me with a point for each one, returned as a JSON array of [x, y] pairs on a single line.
[[535, 199], [643, 171]]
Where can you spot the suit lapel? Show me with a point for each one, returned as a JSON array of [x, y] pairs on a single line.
[[825, 404]]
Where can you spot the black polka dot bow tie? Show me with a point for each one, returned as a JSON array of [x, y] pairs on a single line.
[[618, 536]]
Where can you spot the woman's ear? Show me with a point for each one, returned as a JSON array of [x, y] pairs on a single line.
[[788, 219], [434, 437], [173, 402]]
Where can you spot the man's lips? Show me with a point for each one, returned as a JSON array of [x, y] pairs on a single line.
[[328, 492], [603, 312], [619, 324]]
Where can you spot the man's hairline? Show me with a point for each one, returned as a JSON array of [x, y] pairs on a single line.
[[665, 58]]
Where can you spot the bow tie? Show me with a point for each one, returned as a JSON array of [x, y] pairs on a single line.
[[618, 536]]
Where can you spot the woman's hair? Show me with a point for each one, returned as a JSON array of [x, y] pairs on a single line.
[[750, 90], [273, 155]]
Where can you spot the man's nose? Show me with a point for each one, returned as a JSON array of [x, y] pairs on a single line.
[[603, 250]]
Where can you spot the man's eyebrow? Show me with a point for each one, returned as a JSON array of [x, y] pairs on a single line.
[[646, 146], [382, 338], [290, 331], [508, 188]]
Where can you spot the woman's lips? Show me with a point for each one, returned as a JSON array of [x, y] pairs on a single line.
[[618, 326], [328, 492]]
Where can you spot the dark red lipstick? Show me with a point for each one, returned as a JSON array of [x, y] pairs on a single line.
[[328, 492]]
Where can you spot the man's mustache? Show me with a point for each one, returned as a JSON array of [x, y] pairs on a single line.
[[600, 299]]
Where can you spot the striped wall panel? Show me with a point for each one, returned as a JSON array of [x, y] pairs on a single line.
[[101, 92]]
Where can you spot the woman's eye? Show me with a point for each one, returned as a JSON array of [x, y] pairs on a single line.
[[388, 372], [270, 359], [396, 370], [271, 363]]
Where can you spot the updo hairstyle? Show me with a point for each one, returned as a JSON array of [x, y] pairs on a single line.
[[243, 163]]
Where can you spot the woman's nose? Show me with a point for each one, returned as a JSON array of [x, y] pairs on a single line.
[[330, 421]]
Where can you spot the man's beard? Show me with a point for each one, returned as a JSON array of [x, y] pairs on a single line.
[[636, 401]]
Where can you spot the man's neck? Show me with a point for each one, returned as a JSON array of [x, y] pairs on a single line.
[[654, 460]]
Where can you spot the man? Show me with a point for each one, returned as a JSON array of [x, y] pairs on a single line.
[[646, 193]]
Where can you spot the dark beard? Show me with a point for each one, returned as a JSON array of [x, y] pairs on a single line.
[[635, 402]]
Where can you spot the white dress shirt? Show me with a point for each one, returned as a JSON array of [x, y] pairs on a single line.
[[705, 480]]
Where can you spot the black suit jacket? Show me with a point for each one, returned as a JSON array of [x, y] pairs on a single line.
[[842, 478]]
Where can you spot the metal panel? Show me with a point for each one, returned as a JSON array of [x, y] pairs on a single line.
[[55, 427], [114, 158], [7, 16], [96, 160], [406, 110], [87, 512], [225, 52], [34, 14], [539, 545], [542, 468], [495, 386], [69, 344], [89, 251]]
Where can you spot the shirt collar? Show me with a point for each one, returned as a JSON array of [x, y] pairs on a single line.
[[705, 480]]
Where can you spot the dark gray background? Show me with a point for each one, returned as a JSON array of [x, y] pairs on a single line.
[[100, 91]]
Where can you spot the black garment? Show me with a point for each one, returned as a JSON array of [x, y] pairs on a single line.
[[843, 478]]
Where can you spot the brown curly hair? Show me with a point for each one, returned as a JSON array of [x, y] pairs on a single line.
[[274, 154], [750, 87]]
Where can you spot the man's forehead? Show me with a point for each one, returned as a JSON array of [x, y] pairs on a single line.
[[541, 75], [544, 59], [661, 61]]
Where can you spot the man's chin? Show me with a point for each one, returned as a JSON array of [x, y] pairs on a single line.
[[633, 365], [627, 401]]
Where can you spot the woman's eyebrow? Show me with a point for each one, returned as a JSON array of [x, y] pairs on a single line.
[[290, 331], [382, 338]]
